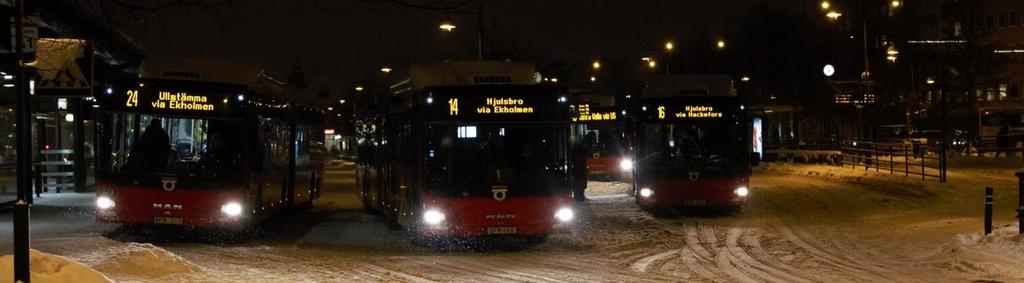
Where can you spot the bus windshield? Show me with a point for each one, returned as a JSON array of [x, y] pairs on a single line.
[[467, 159], [145, 146], [692, 146]]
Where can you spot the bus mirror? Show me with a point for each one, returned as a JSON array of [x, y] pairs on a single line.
[[755, 158]]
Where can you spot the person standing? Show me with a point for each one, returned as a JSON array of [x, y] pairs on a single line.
[[155, 147]]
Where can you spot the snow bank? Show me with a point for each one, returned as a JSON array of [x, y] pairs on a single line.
[[136, 260], [51, 268], [1004, 241]]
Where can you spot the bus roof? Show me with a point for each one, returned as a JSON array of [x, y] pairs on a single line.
[[452, 73], [689, 85]]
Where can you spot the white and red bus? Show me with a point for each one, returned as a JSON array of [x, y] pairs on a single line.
[[469, 149], [203, 154], [693, 144]]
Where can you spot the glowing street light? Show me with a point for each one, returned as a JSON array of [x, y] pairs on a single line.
[[745, 79], [596, 65], [895, 3], [385, 69], [891, 53], [359, 88], [651, 64], [930, 81], [825, 5], [669, 46], [593, 79], [447, 26], [833, 15], [721, 44]]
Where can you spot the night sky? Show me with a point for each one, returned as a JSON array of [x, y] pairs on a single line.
[[340, 42]]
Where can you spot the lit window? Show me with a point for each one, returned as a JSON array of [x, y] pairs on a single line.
[[467, 132], [501, 132]]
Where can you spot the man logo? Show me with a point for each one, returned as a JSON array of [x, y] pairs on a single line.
[[169, 183], [167, 206], [694, 176], [499, 193]]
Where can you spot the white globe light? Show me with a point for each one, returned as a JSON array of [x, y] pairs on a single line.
[[829, 70]]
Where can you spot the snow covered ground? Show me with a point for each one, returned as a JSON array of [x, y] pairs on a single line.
[[804, 223]]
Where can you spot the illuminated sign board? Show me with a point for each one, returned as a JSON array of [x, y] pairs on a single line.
[[691, 108], [495, 106], [171, 100], [328, 131], [586, 113]]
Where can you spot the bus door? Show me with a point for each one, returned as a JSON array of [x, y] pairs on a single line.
[[273, 176]]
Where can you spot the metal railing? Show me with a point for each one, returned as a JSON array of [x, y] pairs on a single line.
[[909, 158]]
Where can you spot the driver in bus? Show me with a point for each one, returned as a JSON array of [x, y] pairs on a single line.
[[686, 144]]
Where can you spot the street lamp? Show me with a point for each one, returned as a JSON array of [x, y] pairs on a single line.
[[745, 79], [448, 25], [895, 3], [721, 44], [651, 64], [385, 69], [825, 5], [593, 79], [891, 53], [833, 15], [669, 46], [359, 88], [596, 65]]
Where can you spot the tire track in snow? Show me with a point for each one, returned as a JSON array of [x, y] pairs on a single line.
[[642, 264], [818, 254], [758, 253], [384, 273], [709, 239], [702, 256], [753, 266]]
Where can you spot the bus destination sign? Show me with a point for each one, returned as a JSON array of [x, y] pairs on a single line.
[[160, 100], [584, 113]]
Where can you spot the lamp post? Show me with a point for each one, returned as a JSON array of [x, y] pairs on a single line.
[[449, 25], [24, 154]]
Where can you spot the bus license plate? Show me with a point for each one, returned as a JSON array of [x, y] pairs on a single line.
[[501, 230], [694, 202], [167, 220]]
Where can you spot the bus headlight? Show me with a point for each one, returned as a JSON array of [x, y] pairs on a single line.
[[626, 164], [433, 217], [231, 209], [742, 191], [104, 203], [646, 192], [564, 214]]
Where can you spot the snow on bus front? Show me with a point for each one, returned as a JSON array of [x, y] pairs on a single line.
[[693, 152], [173, 170]]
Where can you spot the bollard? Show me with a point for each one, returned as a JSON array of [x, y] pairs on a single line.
[[988, 210]]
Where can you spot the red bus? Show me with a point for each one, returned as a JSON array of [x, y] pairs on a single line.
[[600, 127], [693, 144], [472, 155], [203, 154]]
